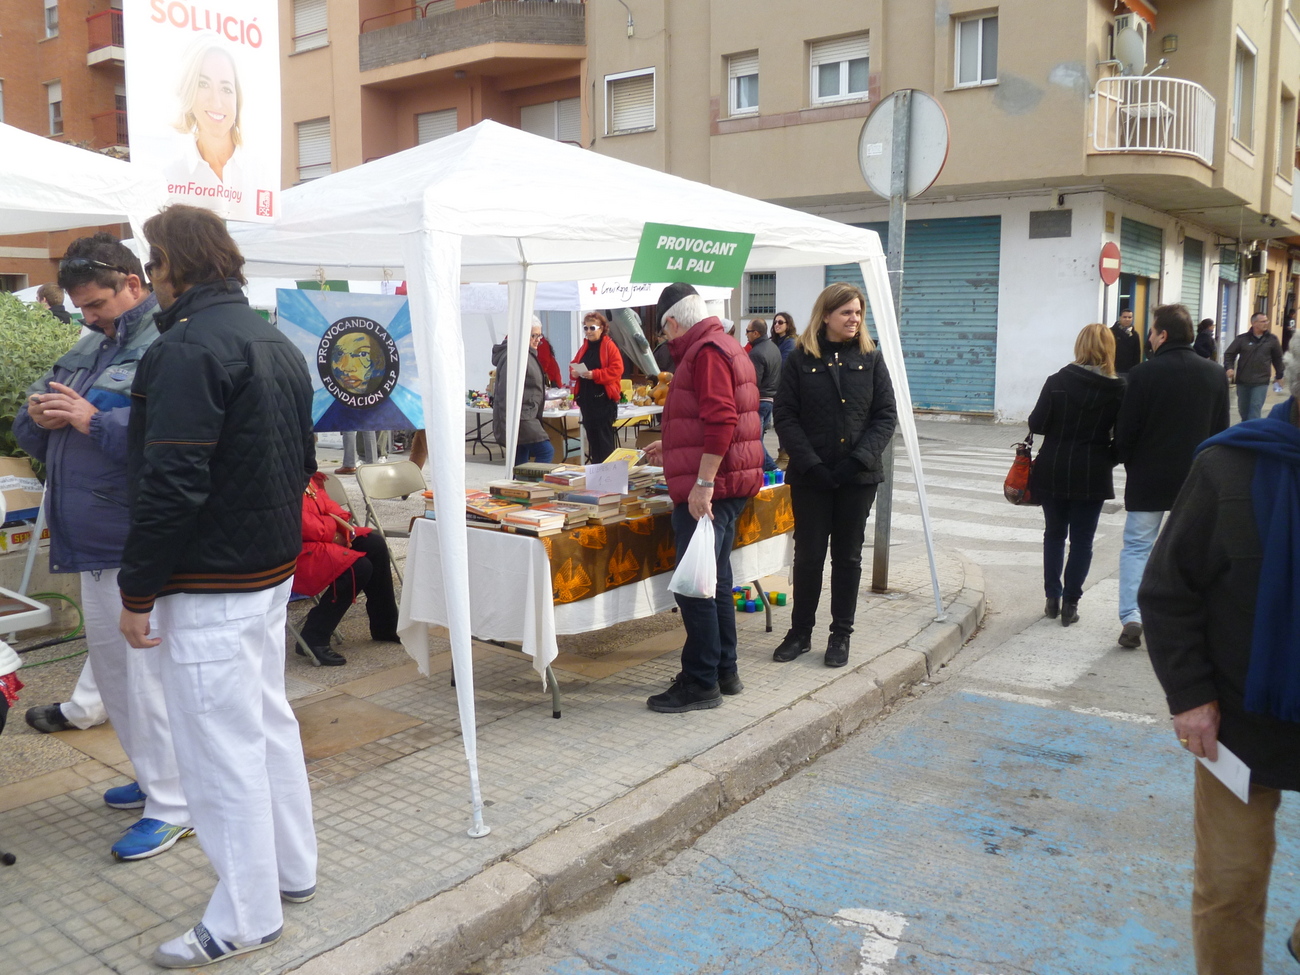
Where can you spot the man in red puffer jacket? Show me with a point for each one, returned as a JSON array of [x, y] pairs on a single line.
[[712, 455]]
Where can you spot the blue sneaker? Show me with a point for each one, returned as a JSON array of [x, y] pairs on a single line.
[[148, 838], [197, 947], [126, 796]]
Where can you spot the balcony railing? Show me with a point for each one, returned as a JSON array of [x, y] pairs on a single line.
[[1161, 115], [419, 11], [105, 30], [109, 129]]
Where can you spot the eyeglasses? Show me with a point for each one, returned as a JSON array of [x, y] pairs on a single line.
[[80, 265]]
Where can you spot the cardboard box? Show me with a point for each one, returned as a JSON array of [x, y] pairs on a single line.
[[17, 539], [22, 491]]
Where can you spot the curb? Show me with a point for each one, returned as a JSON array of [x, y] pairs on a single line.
[[457, 927]]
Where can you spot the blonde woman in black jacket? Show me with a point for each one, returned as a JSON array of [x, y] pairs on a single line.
[[1073, 473], [834, 416]]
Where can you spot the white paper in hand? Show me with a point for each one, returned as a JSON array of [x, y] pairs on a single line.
[[696, 576], [1231, 771]]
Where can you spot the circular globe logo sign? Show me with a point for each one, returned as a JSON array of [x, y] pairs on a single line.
[[358, 362]]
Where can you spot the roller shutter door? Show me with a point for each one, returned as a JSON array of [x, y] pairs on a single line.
[[1193, 260], [1140, 247], [949, 326]]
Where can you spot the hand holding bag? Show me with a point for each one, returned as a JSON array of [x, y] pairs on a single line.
[[696, 576], [1016, 486]]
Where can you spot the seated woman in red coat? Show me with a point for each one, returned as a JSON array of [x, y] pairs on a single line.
[[338, 560]]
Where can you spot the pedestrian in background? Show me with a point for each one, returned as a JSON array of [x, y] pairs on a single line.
[[1128, 344], [533, 443], [835, 416], [1261, 360], [1174, 401], [1205, 345], [712, 460], [50, 296], [597, 374], [784, 334], [767, 367], [1073, 474], [1223, 632]]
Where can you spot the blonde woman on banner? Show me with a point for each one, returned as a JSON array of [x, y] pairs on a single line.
[[210, 172]]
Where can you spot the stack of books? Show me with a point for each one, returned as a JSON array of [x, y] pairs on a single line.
[[484, 509], [659, 504], [574, 514], [534, 521], [634, 508], [533, 471], [529, 492], [567, 478], [643, 478], [603, 508]]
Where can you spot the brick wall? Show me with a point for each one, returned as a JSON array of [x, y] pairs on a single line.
[[496, 21]]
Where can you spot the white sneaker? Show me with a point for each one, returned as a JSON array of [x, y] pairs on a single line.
[[197, 947]]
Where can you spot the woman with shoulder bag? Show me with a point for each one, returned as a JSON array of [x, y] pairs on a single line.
[[1072, 475], [834, 416]]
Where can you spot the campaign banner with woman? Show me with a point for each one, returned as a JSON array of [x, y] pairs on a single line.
[[361, 357], [203, 90]]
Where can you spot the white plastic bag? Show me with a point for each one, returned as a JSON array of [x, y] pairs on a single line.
[[696, 576]]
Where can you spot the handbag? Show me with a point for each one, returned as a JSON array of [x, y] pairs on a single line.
[[1016, 486]]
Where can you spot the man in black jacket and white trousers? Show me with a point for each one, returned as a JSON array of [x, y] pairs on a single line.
[[1174, 401], [219, 452]]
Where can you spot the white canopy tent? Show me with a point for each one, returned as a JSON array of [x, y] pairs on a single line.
[[495, 204], [47, 185]]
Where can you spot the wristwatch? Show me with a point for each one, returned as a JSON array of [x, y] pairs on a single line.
[[700, 482]]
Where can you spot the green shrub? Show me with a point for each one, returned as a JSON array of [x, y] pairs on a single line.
[[30, 340]]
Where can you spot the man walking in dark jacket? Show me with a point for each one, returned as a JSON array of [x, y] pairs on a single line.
[[220, 450], [766, 358], [1221, 599], [1174, 401], [1128, 344], [1261, 359]]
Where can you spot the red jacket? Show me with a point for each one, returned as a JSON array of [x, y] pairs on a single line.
[[712, 408], [546, 357], [322, 559], [610, 373]]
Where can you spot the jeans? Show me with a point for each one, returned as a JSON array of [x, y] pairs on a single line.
[[710, 648], [1140, 531], [542, 451], [370, 574], [765, 418], [369, 447], [836, 519], [1078, 521], [1250, 400]]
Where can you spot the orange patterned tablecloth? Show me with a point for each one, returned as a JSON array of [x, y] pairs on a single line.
[[593, 559]]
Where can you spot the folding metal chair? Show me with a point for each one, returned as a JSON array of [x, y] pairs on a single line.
[[384, 482]]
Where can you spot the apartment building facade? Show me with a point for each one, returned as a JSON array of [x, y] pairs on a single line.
[[1184, 156], [61, 75]]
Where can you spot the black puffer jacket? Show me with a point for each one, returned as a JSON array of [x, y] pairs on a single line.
[[1075, 415], [220, 449], [835, 407], [1174, 400]]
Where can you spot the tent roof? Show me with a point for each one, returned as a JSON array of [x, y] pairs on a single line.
[[47, 185], [516, 199]]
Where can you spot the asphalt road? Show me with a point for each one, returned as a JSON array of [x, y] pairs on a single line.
[[1030, 812]]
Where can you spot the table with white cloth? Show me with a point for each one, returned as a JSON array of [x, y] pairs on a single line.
[[526, 591]]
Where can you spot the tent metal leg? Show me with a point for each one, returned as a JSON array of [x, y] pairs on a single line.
[[767, 603]]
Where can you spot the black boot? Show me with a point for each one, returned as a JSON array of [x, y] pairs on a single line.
[[792, 646], [837, 650], [1052, 609], [1069, 612], [323, 656]]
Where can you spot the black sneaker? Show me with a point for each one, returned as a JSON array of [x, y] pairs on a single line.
[[685, 695], [837, 650], [1130, 638], [792, 646], [727, 683], [48, 718]]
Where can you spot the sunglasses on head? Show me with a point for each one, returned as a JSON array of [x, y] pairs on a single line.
[[80, 265]]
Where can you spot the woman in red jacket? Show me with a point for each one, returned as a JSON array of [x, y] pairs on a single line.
[[338, 560], [597, 372]]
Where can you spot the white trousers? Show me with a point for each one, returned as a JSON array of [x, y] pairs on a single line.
[[240, 753], [130, 685], [85, 708]]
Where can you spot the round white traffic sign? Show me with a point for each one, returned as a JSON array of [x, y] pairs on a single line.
[[927, 148]]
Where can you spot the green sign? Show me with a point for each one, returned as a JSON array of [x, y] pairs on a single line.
[[690, 254]]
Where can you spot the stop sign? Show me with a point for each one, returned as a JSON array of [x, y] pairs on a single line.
[[1108, 264]]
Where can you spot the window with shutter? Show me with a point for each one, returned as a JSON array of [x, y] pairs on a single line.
[[54, 96], [630, 102], [310, 25], [742, 74], [568, 126], [314, 149], [51, 18], [840, 69], [430, 126], [975, 51], [560, 120]]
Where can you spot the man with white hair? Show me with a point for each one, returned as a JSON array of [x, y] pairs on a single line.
[[1221, 605], [712, 455]]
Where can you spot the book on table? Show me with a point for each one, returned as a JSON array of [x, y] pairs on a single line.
[[489, 508], [595, 499], [534, 518], [629, 454], [533, 471], [567, 478], [530, 491], [574, 514]]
